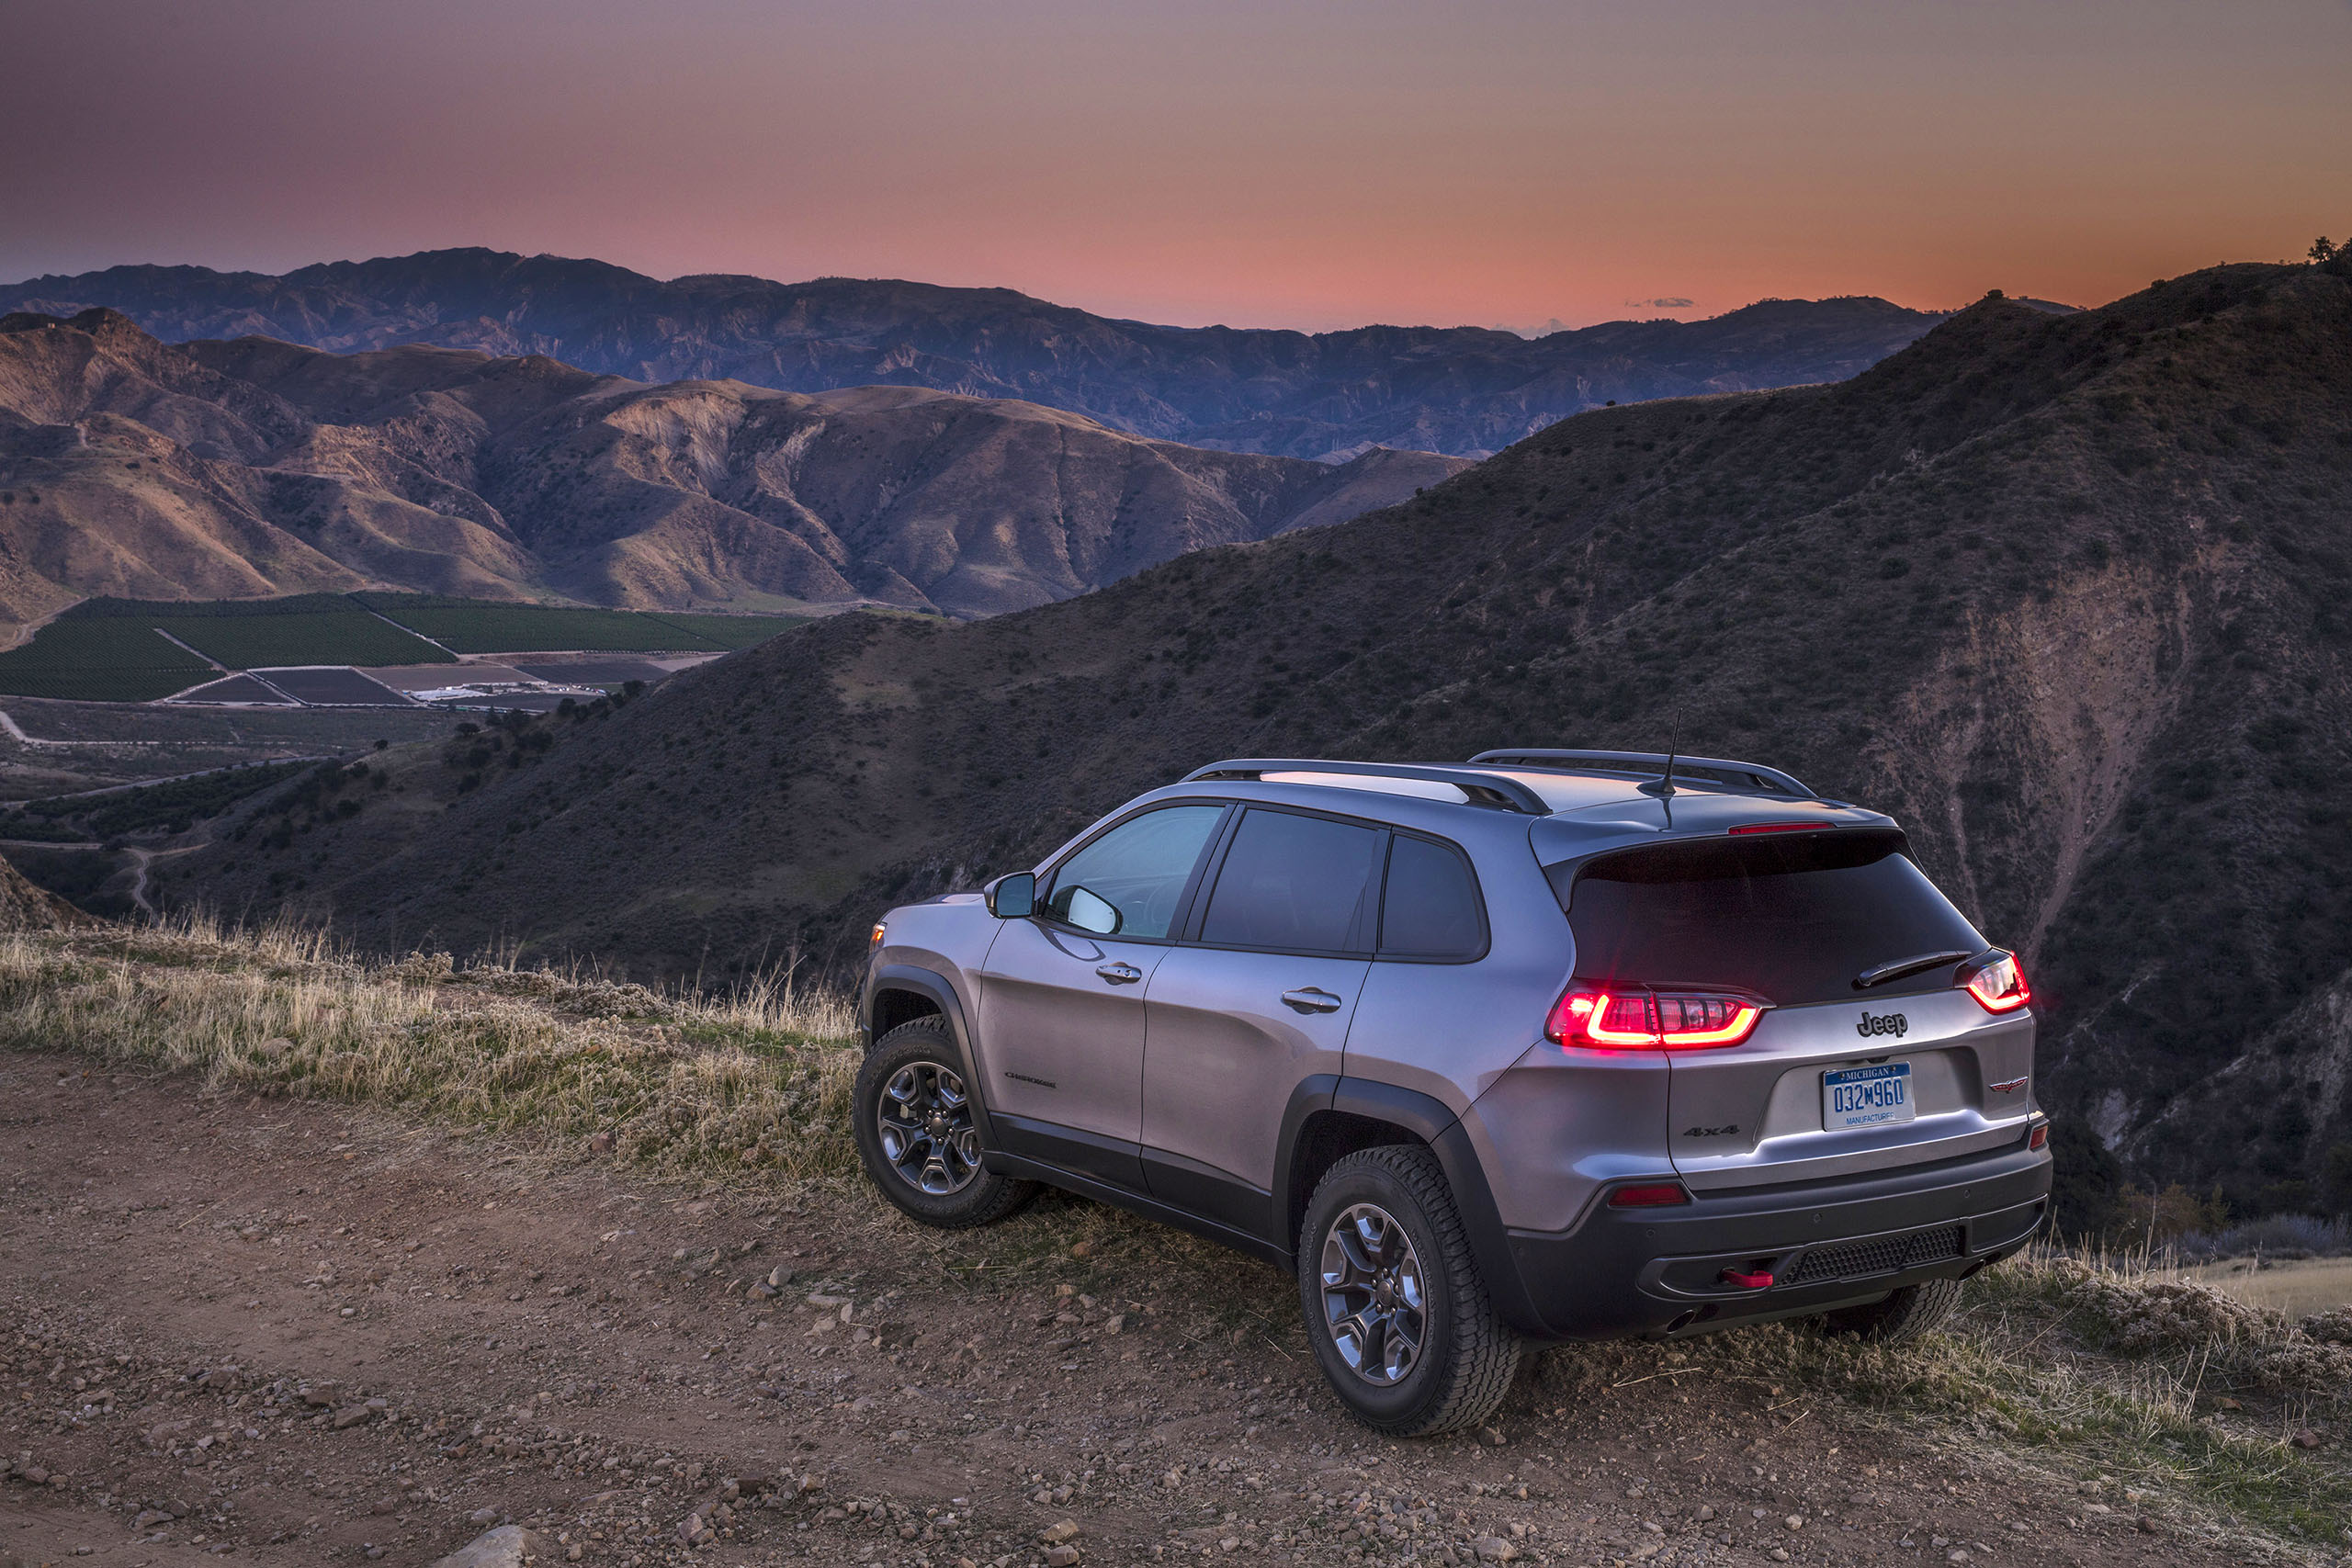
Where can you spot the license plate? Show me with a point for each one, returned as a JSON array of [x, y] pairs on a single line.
[[1866, 1096]]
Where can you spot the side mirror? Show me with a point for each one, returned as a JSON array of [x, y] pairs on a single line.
[[1014, 897]]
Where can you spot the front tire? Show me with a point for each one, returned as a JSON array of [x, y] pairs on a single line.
[[1905, 1316], [1395, 1309], [917, 1132]]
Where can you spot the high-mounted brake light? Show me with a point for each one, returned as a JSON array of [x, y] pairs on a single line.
[[1997, 983], [1629, 1019], [1650, 1195], [1776, 827]]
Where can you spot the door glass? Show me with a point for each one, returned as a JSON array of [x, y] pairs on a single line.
[[1293, 884], [1429, 907], [1128, 880]]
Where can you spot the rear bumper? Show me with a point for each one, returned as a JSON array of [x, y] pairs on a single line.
[[1661, 1271]]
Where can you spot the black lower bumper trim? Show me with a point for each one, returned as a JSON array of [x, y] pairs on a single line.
[[1821, 1244]]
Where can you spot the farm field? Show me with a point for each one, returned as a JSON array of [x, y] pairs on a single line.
[[472, 626], [118, 650], [99, 660], [350, 635]]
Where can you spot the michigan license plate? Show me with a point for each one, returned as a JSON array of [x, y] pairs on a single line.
[[1866, 1096]]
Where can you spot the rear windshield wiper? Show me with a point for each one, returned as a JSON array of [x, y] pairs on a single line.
[[1902, 966]]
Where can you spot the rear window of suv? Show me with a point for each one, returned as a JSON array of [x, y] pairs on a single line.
[[1792, 917]]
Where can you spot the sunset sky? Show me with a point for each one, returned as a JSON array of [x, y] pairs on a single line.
[[1266, 162]]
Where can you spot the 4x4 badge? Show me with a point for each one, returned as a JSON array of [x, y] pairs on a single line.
[[1892, 1023], [1712, 1132]]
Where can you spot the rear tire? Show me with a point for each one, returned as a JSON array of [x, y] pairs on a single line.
[[913, 1117], [1909, 1313], [1396, 1310]]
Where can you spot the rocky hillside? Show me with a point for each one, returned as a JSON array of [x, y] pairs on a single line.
[[2065, 593], [1463, 390], [231, 469]]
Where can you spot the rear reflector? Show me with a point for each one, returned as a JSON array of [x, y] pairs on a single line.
[[2040, 1137], [1650, 1195], [1995, 981], [1778, 827], [1630, 1019]]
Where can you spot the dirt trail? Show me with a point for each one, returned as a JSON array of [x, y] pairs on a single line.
[[302, 1334]]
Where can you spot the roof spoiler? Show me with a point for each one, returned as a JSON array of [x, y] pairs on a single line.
[[1483, 788], [1752, 777]]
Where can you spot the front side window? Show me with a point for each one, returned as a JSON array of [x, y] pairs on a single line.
[[1129, 881], [1293, 884]]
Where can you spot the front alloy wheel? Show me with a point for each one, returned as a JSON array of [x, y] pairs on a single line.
[[1371, 1294], [923, 1123], [918, 1130]]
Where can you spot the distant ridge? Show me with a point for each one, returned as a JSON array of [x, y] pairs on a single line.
[[1469, 391], [252, 468]]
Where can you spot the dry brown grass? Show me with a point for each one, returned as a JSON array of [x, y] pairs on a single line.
[[759, 1080]]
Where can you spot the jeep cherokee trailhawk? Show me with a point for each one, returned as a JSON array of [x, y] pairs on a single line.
[[1551, 1045]]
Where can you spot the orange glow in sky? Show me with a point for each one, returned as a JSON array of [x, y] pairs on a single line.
[[1269, 163]]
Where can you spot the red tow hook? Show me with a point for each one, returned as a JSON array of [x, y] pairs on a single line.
[[1733, 1276]]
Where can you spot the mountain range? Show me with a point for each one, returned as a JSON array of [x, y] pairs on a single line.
[[2065, 594], [1467, 392], [253, 467]]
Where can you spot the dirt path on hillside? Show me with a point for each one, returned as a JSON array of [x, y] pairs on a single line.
[[299, 1334]]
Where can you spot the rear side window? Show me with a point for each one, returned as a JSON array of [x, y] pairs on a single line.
[[1293, 884], [1793, 918], [1429, 907]]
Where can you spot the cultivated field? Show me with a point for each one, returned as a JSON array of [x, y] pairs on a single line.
[[467, 626], [98, 660], [393, 1252]]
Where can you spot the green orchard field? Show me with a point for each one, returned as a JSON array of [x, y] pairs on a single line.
[[473, 625]]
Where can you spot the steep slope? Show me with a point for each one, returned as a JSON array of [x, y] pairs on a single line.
[[1463, 390], [217, 469], [2063, 592]]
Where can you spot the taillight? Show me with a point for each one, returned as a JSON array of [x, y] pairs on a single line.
[[1650, 1195], [1623, 1019], [1997, 983], [1778, 827]]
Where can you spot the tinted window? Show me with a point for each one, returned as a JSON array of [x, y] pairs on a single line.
[[1429, 908], [1792, 919], [1137, 872], [1295, 883]]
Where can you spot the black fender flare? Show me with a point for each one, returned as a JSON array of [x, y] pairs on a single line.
[[932, 984], [1435, 1123]]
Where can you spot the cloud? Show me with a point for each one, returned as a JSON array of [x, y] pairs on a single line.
[[1663, 302]]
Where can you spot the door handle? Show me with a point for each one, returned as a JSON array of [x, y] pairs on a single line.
[[1307, 998], [1119, 974]]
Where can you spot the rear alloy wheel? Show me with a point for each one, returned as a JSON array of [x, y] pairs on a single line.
[[917, 1134], [1397, 1312], [1907, 1314]]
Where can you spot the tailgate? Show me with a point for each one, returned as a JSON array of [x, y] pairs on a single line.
[[1926, 1076]]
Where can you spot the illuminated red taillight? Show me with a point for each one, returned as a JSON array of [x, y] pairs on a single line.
[[1997, 983], [1650, 1195], [1629, 1019], [1776, 826]]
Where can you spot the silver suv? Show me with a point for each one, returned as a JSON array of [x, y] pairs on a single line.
[[1553, 1045]]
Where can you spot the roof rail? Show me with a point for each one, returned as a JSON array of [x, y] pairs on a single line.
[[1750, 776], [1482, 788]]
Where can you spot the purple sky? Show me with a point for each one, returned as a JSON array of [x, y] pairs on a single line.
[[1263, 164]]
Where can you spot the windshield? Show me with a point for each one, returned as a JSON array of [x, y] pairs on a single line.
[[1791, 917]]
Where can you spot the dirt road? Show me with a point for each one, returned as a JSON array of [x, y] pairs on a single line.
[[295, 1333]]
